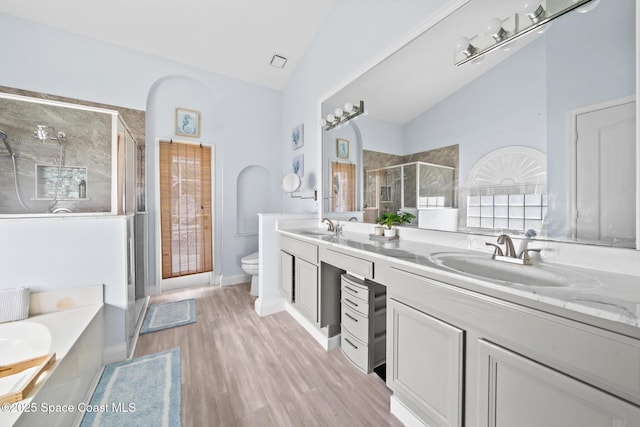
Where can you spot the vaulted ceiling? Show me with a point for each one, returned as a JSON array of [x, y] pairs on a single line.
[[235, 38]]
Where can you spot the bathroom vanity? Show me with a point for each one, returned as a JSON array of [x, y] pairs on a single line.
[[466, 350]]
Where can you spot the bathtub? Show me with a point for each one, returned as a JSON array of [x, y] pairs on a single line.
[[76, 336]]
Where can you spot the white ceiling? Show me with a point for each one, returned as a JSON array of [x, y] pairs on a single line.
[[423, 73], [235, 38]]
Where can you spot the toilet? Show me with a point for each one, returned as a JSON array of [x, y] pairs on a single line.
[[251, 265]]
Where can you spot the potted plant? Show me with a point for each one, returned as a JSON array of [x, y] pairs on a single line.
[[389, 219]]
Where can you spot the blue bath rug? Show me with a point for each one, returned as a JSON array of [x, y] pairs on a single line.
[[169, 315], [144, 391]]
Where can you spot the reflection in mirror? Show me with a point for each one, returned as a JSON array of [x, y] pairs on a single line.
[[414, 183], [561, 90]]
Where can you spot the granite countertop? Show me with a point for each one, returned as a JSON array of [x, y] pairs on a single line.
[[600, 295]]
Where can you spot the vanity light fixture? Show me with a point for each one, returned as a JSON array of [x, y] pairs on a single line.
[[342, 115], [498, 32]]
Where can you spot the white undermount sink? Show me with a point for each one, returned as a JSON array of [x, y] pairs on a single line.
[[538, 275]]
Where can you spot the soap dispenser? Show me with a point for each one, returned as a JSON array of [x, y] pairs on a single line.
[[524, 243]]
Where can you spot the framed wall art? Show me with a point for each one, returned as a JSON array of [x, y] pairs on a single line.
[[297, 136], [187, 123], [342, 148]]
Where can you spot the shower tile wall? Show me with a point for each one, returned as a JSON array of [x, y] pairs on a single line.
[[87, 145]]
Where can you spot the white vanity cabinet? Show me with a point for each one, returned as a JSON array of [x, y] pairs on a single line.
[[299, 275], [456, 357], [425, 364], [516, 391]]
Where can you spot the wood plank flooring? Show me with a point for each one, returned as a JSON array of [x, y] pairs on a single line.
[[239, 369]]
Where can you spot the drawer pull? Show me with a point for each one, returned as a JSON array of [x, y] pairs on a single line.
[[351, 302], [352, 344], [351, 317], [355, 291]]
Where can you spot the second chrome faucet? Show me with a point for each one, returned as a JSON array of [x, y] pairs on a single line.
[[509, 254]]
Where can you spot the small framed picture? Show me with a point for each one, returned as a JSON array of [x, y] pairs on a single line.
[[187, 123], [297, 165], [297, 136], [342, 148]]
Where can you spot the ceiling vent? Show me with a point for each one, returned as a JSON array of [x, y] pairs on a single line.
[[278, 61]]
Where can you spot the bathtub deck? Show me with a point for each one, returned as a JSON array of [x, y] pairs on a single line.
[[77, 340]]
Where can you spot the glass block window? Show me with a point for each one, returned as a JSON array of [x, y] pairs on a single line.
[[507, 211]]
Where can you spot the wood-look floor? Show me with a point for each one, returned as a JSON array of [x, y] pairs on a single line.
[[239, 369]]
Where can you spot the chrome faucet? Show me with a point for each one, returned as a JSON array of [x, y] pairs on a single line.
[[331, 225], [505, 240], [509, 254]]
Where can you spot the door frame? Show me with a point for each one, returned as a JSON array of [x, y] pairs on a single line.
[[191, 280], [573, 139]]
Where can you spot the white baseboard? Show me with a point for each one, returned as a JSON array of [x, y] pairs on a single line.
[[114, 353], [328, 343], [334, 342], [405, 416], [267, 307], [234, 279]]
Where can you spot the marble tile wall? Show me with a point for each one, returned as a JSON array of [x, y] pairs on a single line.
[[87, 145]]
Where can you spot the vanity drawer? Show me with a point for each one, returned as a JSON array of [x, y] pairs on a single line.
[[363, 290], [355, 323], [366, 329], [355, 350], [349, 263], [299, 249], [364, 357], [356, 304]]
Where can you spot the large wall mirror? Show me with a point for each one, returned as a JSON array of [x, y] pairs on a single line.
[[538, 134]]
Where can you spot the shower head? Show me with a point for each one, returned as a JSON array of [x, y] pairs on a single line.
[[3, 137]]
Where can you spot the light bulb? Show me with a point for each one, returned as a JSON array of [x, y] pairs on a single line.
[[493, 27], [529, 6], [348, 107], [338, 112], [461, 44], [464, 46], [534, 10], [331, 118]]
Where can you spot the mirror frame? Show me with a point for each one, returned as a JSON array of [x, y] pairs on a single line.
[[432, 20]]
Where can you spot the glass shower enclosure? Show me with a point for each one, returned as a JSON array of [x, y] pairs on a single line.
[[62, 158], [408, 187]]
